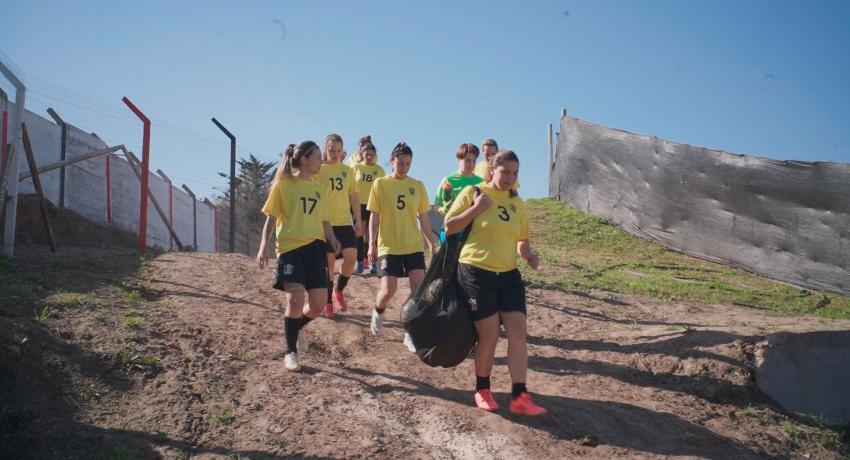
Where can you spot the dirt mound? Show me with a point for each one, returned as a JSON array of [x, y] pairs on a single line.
[[69, 228], [181, 356]]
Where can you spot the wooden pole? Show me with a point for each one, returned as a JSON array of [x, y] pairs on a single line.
[[83, 157], [37, 182]]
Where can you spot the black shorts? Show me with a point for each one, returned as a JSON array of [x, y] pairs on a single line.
[[307, 265], [345, 235], [491, 292], [400, 265]]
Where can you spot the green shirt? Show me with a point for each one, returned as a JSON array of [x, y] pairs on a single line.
[[450, 187]]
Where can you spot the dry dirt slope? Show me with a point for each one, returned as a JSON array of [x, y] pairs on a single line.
[[181, 357]]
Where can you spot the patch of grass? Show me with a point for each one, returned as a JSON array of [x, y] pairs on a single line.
[[132, 297], [99, 316], [227, 417], [44, 314], [132, 320], [749, 411], [275, 441], [585, 253], [159, 437], [791, 429], [74, 300], [93, 391], [130, 360], [132, 337], [120, 452]]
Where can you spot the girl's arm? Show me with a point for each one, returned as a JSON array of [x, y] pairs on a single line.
[[374, 223], [425, 225], [261, 253], [330, 237], [354, 201], [526, 252]]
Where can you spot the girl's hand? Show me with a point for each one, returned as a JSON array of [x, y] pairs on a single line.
[[533, 260], [481, 202], [335, 244], [358, 230], [373, 253], [262, 260]]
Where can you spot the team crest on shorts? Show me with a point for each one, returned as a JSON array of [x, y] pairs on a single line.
[[412, 190], [473, 305], [287, 269], [383, 264]]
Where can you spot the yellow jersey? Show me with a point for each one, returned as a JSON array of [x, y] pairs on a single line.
[[481, 170], [364, 176], [299, 207], [399, 201], [338, 181], [492, 242]]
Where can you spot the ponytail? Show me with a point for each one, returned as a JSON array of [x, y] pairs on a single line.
[[291, 160]]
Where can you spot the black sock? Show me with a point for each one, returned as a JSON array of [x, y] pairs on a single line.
[[290, 329], [341, 282], [482, 383], [379, 310], [518, 389]]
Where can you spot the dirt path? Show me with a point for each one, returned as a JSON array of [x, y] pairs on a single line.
[[620, 376]]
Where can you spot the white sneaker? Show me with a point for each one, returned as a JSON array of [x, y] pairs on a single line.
[[408, 342], [290, 362], [377, 322], [303, 343]]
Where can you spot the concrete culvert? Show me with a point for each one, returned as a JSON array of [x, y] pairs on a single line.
[[808, 373]]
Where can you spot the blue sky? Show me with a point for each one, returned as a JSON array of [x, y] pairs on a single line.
[[767, 78]]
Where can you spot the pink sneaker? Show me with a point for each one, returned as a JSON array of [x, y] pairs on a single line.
[[339, 298], [484, 401], [329, 311], [523, 405]]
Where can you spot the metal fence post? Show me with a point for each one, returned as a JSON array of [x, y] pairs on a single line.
[[231, 242]]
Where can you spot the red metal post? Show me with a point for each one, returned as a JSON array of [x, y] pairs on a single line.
[[108, 190], [143, 205]]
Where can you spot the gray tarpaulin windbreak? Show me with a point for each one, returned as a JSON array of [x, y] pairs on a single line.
[[786, 220]]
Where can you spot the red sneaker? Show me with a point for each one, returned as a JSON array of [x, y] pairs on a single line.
[[484, 400], [339, 298], [523, 405], [329, 311]]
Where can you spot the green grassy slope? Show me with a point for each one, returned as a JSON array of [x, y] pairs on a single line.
[[585, 253]]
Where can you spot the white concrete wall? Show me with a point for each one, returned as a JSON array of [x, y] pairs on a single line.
[[85, 187]]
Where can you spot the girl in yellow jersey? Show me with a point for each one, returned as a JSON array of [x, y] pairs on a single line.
[[488, 274], [298, 204], [395, 241], [365, 174], [343, 202]]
